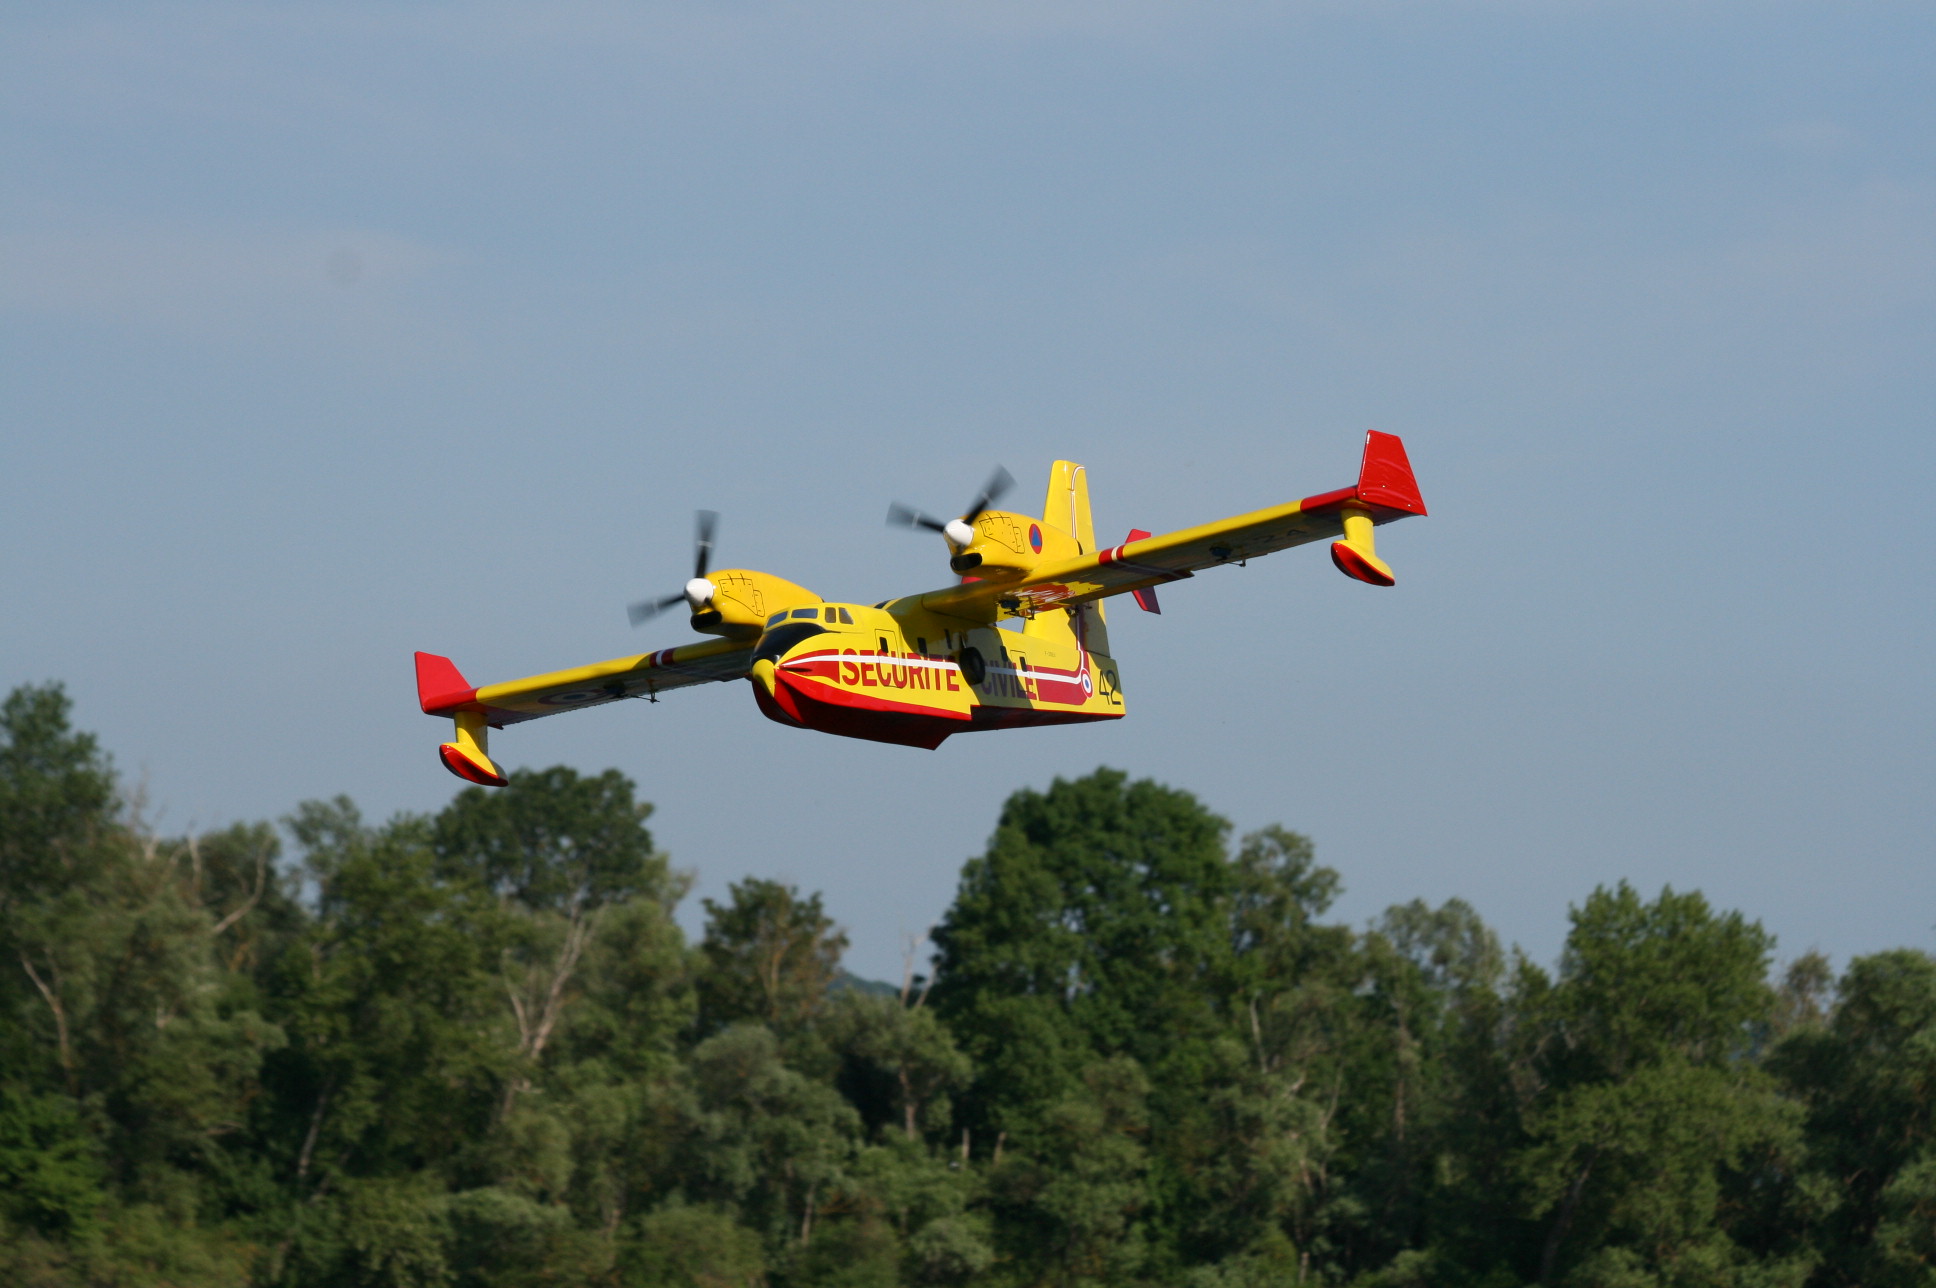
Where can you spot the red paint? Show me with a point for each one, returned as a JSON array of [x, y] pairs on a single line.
[[771, 709], [1034, 717], [440, 686], [1325, 499], [1384, 481], [1146, 596], [805, 701], [809, 704], [1353, 564], [1385, 477], [466, 768]]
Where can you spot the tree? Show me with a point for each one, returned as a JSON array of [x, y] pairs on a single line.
[[1868, 1078], [770, 956], [763, 1138], [1074, 1204], [1094, 925], [128, 1056], [693, 1247], [58, 837], [1646, 1111], [391, 1001], [556, 849], [1266, 1126], [1436, 1119], [899, 1063]]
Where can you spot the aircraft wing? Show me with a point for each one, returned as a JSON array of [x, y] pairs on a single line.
[[443, 691], [1384, 493]]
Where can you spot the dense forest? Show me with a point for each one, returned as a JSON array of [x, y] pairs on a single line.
[[474, 1049]]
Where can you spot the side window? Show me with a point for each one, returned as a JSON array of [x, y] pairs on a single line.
[[845, 619], [830, 618]]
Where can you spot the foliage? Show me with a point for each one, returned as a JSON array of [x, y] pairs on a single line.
[[474, 1050], [771, 957]]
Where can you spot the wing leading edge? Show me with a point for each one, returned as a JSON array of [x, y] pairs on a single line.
[[443, 691], [1385, 492]]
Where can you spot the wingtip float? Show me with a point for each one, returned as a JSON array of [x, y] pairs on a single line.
[[917, 670]]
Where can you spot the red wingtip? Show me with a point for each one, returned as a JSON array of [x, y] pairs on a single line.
[[1385, 477], [440, 686]]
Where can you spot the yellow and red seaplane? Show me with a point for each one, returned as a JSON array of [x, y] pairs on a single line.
[[1017, 640]]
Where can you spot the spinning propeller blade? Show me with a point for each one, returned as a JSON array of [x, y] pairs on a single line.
[[901, 516], [646, 609], [906, 516], [702, 539], [998, 483], [698, 591]]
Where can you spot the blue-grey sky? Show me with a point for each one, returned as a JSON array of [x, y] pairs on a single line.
[[332, 331]]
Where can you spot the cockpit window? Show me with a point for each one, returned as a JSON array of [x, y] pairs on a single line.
[[806, 612], [776, 619], [845, 620], [830, 618]]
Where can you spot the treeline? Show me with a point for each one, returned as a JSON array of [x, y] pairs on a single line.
[[474, 1050]]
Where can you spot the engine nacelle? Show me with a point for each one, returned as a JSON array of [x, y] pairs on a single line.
[[1009, 546], [743, 599]]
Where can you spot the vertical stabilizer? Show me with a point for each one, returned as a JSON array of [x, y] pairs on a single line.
[[1067, 507]]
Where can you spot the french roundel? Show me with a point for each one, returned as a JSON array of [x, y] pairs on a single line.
[[1035, 538]]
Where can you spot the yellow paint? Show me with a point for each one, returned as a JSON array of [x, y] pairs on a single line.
[[636, 675], [1358, 535], [1067, 507], [1002, 536], [905, 656], [472, 739], [918, 651], [1082, 578], [743, 599]]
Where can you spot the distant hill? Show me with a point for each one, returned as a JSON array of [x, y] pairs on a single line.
[[847, 981]]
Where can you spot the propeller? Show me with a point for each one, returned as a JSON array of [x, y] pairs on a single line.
[[959, 532], [698, 592]]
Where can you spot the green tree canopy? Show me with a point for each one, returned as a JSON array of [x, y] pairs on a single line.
[[473, 1049], [771, 956]]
